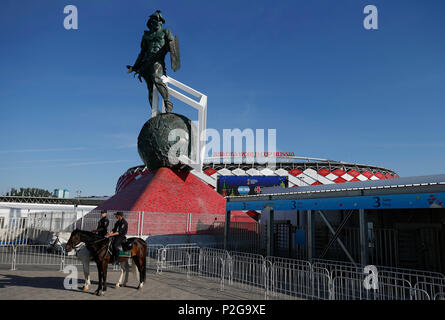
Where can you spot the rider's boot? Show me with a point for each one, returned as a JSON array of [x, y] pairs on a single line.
[[115, 257]]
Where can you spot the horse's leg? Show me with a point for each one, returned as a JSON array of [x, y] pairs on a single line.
[[138, 264], [127, 271], [86, 272], [84, 256], [122, 265], [143, 253], [133, 267], [140, 260], [104, 274], [125, 268], [99, 270]]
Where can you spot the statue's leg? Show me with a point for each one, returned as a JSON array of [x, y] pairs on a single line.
[[150, 90], [161, 86]]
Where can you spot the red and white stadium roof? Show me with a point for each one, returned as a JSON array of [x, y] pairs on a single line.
[[300, 171]]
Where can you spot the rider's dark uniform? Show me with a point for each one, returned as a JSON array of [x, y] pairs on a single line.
[[102, 226], [120, 226]]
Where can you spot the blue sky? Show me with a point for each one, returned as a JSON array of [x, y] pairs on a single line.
[[70, 115]]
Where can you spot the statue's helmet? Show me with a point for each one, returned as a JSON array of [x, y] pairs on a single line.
[[156, 16]]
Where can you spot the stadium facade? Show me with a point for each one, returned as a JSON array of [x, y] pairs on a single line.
[[288, 171]]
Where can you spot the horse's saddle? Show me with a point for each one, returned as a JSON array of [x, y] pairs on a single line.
[[127, 245], [124, 249], [124, 253]]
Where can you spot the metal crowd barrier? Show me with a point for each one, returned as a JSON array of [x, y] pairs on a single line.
[[30, 255], [428, 281], [249, 272], [212, 265], [152, 254], [15, 256], [277, 278], [174, 259], [298, 281], [7, 254], [388, 289], [423, 284]]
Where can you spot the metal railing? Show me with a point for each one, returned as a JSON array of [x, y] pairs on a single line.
[[285, 278], [211, 264], [293, 282], [30, 255], [428, 281], [388, 289], [42, 227], [273, 277], [249, 273]]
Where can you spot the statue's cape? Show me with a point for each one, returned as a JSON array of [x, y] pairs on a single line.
[[174, 54]]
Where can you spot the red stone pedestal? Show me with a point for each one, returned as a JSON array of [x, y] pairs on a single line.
[[167, 191]]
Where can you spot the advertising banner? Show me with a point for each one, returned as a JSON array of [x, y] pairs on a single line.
[[248, 185]]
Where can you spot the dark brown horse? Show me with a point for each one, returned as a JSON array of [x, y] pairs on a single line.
[[99, 249]]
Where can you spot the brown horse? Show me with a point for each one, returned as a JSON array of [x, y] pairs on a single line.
[[99, 249]]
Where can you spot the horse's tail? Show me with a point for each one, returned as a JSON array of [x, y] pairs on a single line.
[[144, 260], [144, 268], [144, 263]]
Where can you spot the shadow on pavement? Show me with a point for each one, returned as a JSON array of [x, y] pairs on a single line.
[[9, 280]]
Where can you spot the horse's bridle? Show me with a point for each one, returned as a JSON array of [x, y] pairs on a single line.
[[76, 248]]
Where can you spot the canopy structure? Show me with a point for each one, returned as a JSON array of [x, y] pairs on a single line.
[[399, 193], [418, 193]]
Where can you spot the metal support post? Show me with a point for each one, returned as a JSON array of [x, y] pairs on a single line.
[[310, 235], [270, 233], [14, 258], [227, 230], [364, 246], [50, 224], [138, 225], [81, 222], [142, 224], [189, 226]]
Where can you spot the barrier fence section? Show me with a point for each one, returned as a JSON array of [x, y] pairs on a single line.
[[275, 277], [295, 279], [212, 265], [14, 233], [242, 266], [249, 273], [419, 284], [285, 278], [37, 227], [30, 255], [90, 220], [43, 227]]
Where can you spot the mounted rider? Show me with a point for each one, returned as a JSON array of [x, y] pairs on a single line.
[[119, 231], [102, 225]]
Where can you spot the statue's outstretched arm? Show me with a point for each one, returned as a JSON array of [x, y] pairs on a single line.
[[136, 66], [140, 57]]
